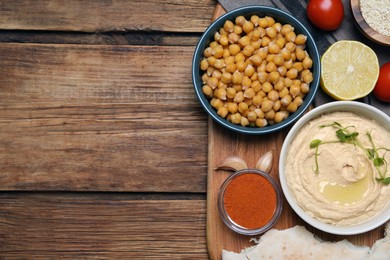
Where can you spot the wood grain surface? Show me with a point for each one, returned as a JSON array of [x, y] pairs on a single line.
[[107, 118], [103, 16], [224, 143], [100, 226]]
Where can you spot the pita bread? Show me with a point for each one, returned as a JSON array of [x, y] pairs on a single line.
[[298, 243]]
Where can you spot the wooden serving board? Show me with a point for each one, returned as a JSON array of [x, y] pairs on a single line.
[[223, 143]]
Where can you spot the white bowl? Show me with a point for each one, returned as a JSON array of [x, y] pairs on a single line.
[[347, 106]]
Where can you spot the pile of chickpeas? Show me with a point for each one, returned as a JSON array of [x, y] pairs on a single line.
[[256, 71]]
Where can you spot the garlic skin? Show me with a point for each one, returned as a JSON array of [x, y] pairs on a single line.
[[265, 162], [232, 163]]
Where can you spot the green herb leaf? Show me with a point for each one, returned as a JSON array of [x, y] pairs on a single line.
[[340, 135], [370, 153], [379, 161], [384, 180], [315, 143]]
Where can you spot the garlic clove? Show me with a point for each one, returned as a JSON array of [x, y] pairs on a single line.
[[265, 162], [232, 163]]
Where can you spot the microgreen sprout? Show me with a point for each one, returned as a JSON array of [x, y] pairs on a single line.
[[350, 135]]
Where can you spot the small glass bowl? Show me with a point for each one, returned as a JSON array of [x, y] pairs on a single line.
[[240, 229]]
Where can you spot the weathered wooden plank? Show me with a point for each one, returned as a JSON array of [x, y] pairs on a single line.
[[107, 118], [101, 15], [80, 225]]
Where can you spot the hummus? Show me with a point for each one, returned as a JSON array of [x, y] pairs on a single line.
[[344, 192]]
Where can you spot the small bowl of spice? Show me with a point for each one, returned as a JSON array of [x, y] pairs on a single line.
[[373, 19], [250, 202]]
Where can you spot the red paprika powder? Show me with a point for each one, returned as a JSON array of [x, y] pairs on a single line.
[[250, 200]]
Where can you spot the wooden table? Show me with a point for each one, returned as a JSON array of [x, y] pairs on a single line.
[[103, 145]]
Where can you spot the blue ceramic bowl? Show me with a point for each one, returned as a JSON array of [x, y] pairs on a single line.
[[208, 36]]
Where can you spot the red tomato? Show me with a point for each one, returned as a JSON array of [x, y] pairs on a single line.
[[382, 87], [327, 15]]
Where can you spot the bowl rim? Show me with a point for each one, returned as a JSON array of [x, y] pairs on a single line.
[[335, 106], [264, 10], [245, 231]]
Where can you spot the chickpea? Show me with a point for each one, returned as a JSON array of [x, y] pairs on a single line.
[[205, 77], [246, 82], [266, 105], [278, 60], [237, 29], [286, 54], [282, 71], [279, 85], [265, 41], [308, 78], [223, 31], [273, 95], [295, 90], [233, 37], [300, 39], [232, 107], [221, 93], [207, 90], [249, 93], [230, 92], [249, 70], [274, 77], [277, 105], [226, 77], [242, 107], [263, 23], [222, 111], [307, 63], [236, 118], [244, 41], [263, 76], [241, 65], [237, 77], [283, 92], [248, 50], [300, 54], [224, 40], [266, 87], [292, 73], [290, 36], [234, 49], [305, 88], [290, 46], [273, 48], [244, 121], [280, 116], [270, 114], [230, 68], [257, 100], [248, 26], [271, 20], [270, 67], [256, 44], [286, 29], [239, 97], [298, 101], [256, 59], [277, 26], [216, 103], [251, 116], [240, 20], [219, 63], [271, 32], [286, 100], [292, 107], [204, 64], [256, 86], [261, 122]]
